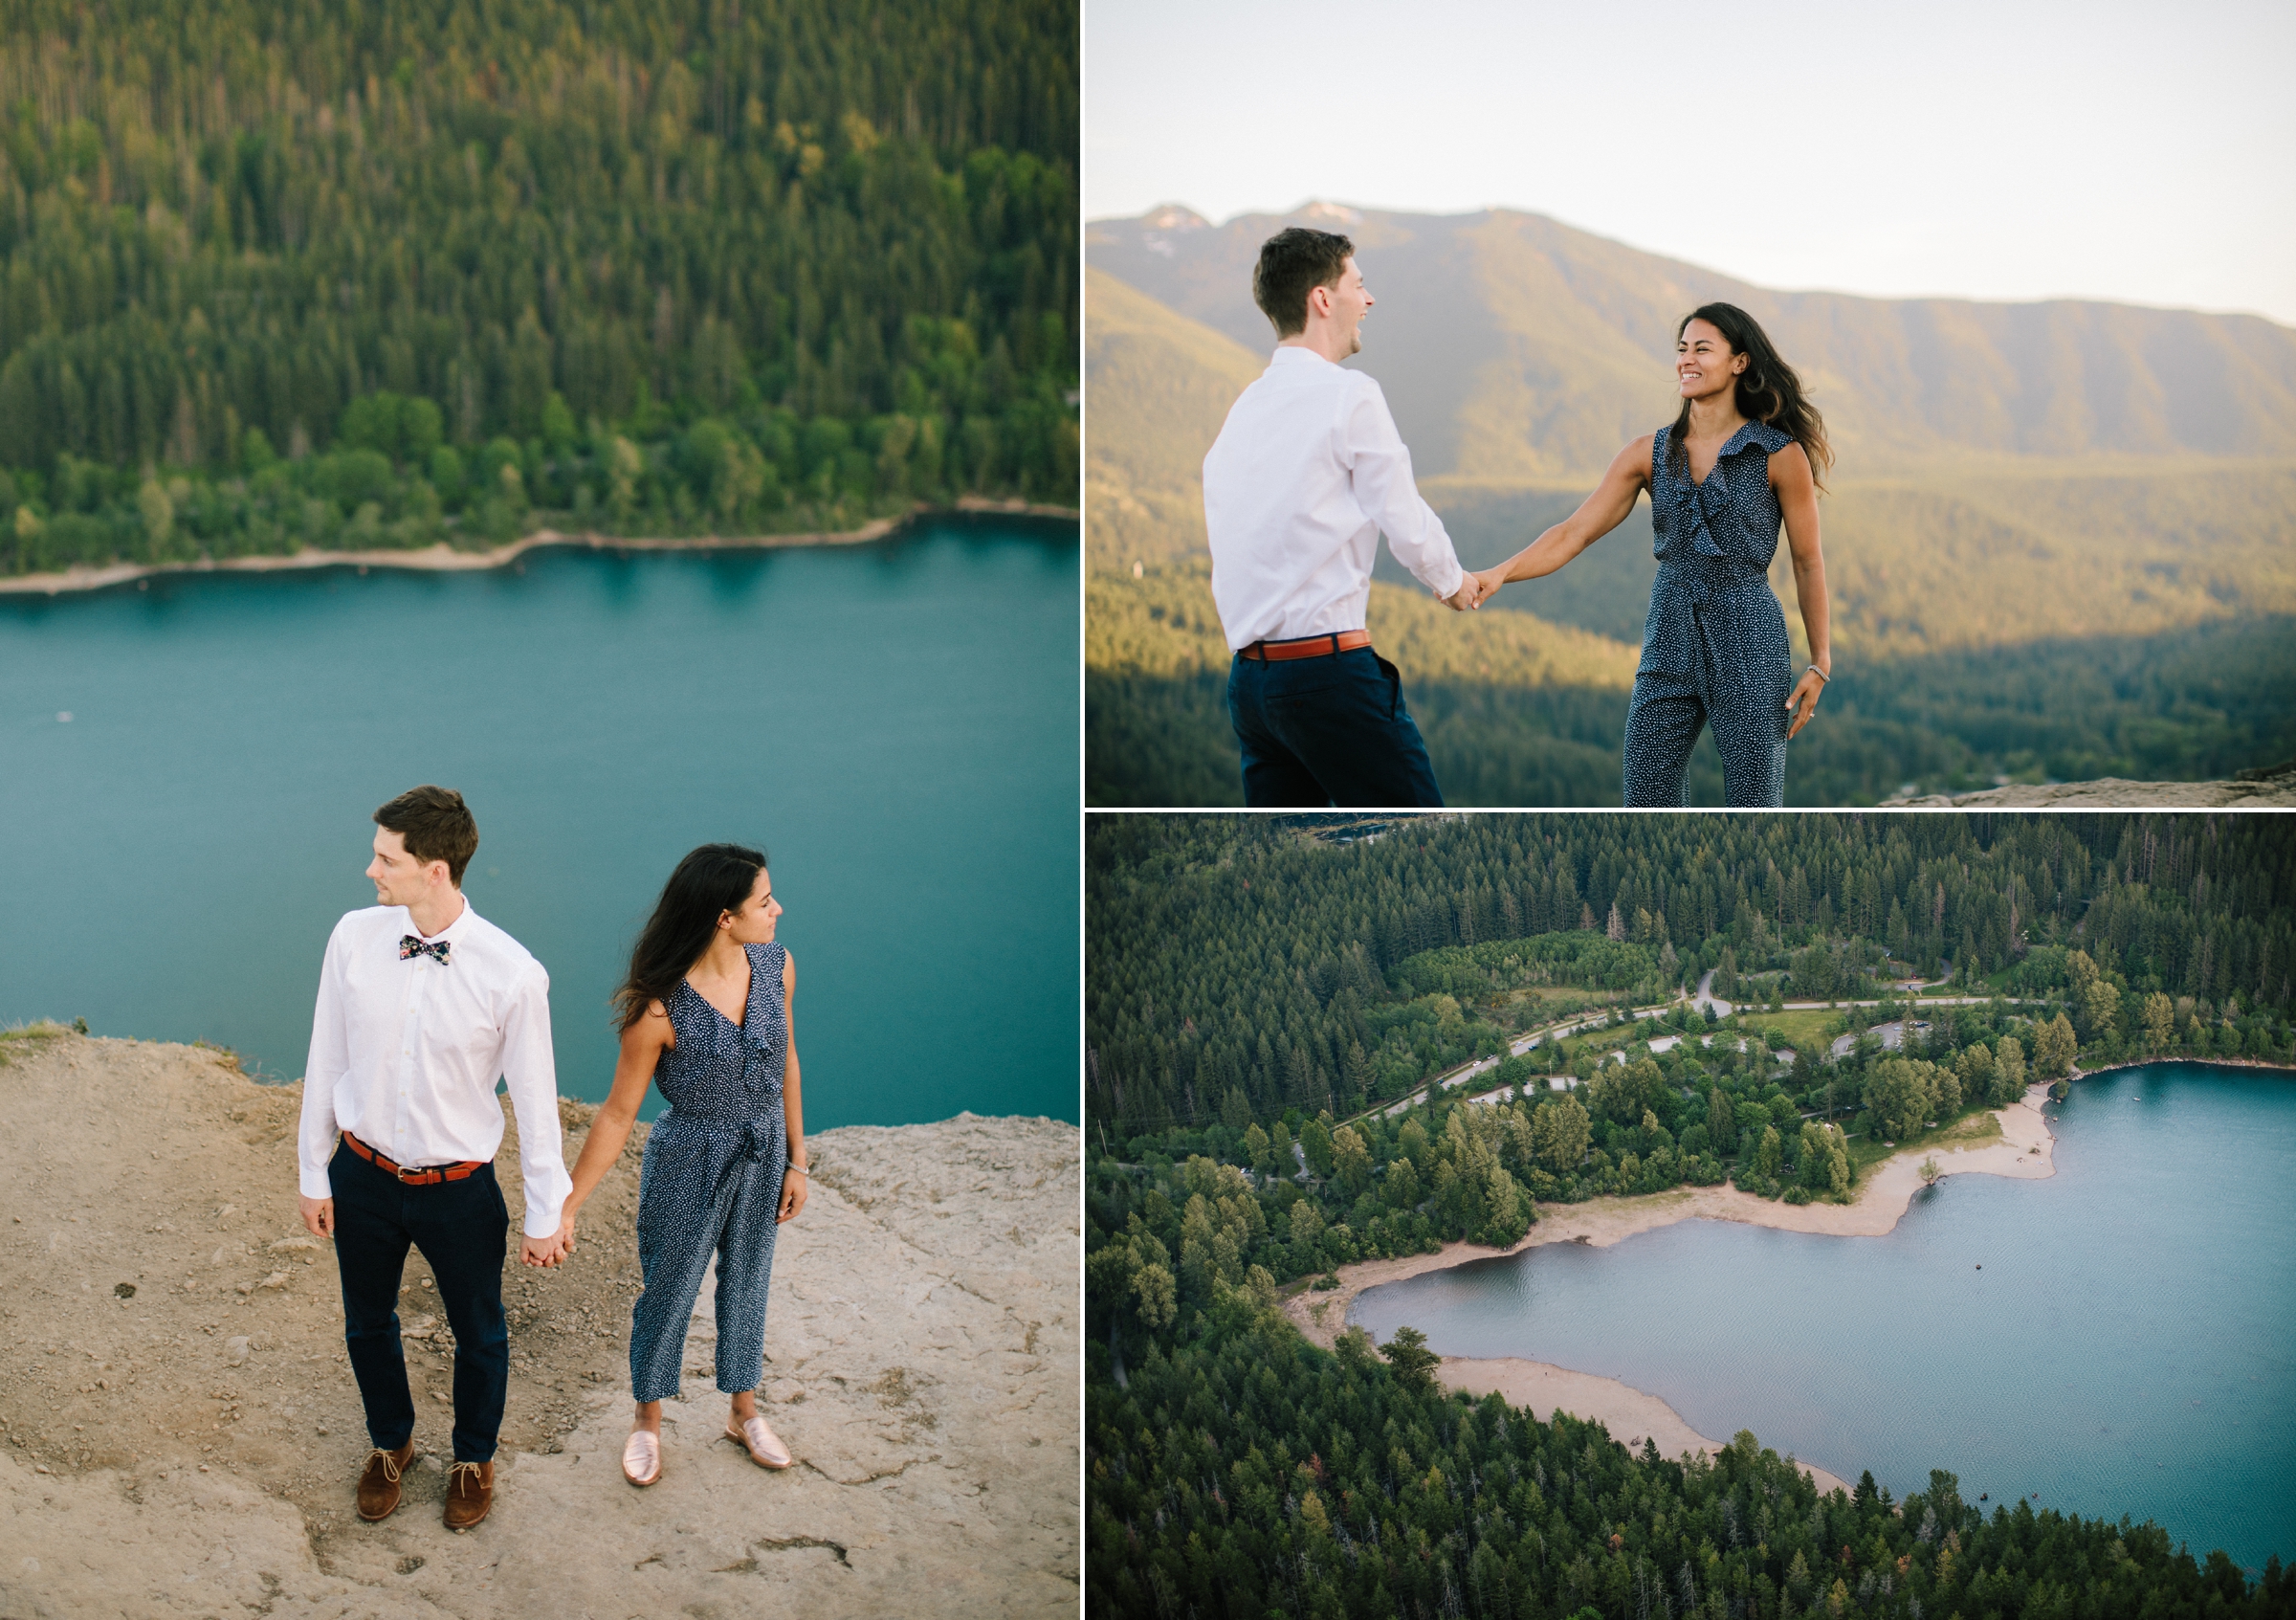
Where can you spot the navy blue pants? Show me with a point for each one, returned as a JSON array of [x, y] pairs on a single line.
[[461, 1226], [1328, 731]]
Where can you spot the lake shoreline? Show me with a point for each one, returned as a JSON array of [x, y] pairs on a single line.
[[2024, 1150], [443, 558], [2078, 1072]]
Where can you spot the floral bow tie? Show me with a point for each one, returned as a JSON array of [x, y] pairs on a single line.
[[410, 945]]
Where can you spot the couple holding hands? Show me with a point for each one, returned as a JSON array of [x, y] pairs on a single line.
[[1308, 470], [422, 1004]]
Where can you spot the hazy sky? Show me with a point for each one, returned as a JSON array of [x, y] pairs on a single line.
[[2001, 150]]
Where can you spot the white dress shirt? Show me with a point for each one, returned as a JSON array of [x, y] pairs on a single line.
[[1307, 472], [405, 1055]]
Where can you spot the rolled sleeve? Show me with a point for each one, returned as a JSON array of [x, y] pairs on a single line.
[[329, 1060], [530, 1072], [1379, 463]]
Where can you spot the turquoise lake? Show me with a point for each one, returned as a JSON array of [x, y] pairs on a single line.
[[2124, 1349], [896, 724]]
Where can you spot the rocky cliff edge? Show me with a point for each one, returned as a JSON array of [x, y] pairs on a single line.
[[179, 1430]]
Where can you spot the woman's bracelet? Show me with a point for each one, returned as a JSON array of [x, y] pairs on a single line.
[[1823, 680], [800, 1170]]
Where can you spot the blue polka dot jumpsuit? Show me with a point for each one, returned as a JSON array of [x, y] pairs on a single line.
[[712, 1182], [1715, 648]]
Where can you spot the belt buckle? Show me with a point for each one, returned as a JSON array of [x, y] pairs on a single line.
[[407, 1174]]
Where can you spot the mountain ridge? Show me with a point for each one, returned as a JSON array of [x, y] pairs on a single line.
[[1515, 347]]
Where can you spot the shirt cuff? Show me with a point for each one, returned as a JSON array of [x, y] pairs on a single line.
[[314, 1184], [1458, 577], [548, 1228]]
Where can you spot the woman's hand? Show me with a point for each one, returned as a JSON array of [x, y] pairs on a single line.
[[794, 1182], [566, 1230], [1491, 578], [1803, 701]]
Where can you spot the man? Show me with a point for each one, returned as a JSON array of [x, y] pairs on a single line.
[[1307, 470], [422, 1004]]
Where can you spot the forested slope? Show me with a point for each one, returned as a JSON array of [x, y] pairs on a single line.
[[1504, 700], [1240, 954], [328, 271], [1236, 1472]]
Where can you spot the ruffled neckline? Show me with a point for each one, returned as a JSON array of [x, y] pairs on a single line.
[[1696, 504]]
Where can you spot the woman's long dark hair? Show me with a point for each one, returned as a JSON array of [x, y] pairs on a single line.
[[1768, 389], [713, 880]]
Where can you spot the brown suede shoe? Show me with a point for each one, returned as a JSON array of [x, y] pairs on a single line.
[[379, 1483], [470, 1493]]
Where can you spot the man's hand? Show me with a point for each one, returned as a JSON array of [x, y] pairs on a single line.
[[1803, 701], [543, 1250], [1470, 595], [318, 1215]]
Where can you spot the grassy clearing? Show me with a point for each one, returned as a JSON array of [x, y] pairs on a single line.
[[1969, 1130], [1541, 999], [1802, 1031]]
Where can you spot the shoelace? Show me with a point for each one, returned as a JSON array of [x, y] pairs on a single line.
[[391, 1464], [454, 1471]]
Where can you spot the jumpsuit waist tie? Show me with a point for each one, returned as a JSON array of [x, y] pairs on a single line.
[[759, 1135], [1702, 578]]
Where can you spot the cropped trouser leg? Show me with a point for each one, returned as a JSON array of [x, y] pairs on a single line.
[[1749, 720], [744, 1272], [1663, 722], [1742, 700], [702, 1193]]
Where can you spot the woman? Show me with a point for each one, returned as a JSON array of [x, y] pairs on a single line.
[[705, 1013], [1743, 453]]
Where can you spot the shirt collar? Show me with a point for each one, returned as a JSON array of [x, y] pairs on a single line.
[[456, 930], [1295, 354]]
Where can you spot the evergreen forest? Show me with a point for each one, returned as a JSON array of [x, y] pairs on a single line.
[[1267, 1004], [1234, 1472], [333, 273]]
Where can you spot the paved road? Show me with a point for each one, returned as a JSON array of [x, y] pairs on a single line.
[[1702, 998]]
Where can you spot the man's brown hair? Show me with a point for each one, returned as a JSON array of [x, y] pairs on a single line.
[[1293, 263], [436, 825]]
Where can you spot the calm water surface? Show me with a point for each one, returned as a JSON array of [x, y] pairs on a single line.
[[2124, 1349], [895, 724]]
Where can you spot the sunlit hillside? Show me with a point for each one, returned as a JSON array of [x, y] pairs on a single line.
[[1168, 383]]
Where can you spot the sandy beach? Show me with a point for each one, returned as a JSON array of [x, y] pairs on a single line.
[[443, 558], [2023, 1150]]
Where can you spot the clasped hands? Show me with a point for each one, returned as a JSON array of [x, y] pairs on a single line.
[[1475, 589], [319, 1220]]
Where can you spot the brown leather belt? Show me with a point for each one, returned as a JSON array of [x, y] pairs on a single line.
[[429, 1175], [1307, 646]]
